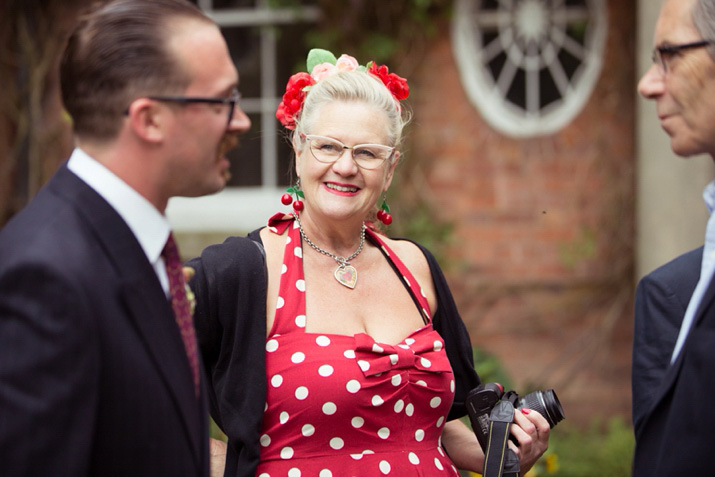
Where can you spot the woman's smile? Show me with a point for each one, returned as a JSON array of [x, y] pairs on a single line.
[[341, 189]]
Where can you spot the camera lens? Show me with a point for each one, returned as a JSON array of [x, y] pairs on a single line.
[[545, 403]]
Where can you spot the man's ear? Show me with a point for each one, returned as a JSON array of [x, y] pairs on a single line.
[[147, 119]]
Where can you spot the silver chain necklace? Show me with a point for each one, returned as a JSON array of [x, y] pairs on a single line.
[[345, 274]]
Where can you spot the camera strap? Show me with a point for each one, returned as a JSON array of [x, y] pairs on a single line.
[[499, 460]]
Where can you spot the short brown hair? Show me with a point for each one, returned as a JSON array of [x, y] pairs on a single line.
[[119, 52]]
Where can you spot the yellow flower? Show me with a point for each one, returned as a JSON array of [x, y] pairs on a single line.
[[552, 463], [188, 275]]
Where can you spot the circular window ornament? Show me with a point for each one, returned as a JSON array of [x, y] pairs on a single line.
[[529, 65]]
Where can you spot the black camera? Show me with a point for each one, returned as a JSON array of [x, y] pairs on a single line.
[[483, 398]]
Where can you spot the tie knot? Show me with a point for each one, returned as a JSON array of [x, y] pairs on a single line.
[[171, 252]]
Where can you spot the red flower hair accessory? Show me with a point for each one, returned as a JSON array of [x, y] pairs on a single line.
[[321, 64], [293, 99], [396, 84]]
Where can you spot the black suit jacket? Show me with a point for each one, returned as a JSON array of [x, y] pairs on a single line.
[[661, 300], [676, 434], [94, 379]]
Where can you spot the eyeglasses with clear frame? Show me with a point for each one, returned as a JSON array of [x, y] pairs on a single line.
[[663, 54], [231, 101], [328, 150]]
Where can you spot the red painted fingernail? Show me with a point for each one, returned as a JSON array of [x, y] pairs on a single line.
[[525, 411]]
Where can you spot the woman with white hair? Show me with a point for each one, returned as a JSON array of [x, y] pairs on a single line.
[[367, 361]]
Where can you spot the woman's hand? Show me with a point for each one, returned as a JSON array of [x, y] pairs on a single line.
[[217, 450], [532, 431]]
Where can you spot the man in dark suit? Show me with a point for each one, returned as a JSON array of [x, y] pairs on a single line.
[[96, 376], [674, 346]]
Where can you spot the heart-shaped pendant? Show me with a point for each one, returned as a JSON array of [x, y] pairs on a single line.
[[346, 275]]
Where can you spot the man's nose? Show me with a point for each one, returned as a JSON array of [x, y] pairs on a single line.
[[652, 84], [240, 122]]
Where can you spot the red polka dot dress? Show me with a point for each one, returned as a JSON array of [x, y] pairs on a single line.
[[341, 405]]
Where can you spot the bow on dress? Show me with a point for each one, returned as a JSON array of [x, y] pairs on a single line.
[[421, 353]]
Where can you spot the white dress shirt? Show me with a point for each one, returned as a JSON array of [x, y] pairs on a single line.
[[149, 226]]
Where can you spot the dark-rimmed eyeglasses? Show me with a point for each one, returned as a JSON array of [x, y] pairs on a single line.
[[328, 150], [230, 101], [663, 54]]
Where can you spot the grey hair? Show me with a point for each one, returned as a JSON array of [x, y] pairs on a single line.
[[704, 19], [353, 86]]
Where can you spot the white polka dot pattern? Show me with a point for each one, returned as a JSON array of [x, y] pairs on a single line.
[[364, 407], [353, 386], [301, 393]]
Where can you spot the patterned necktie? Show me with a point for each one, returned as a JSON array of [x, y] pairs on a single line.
[[181, 305]]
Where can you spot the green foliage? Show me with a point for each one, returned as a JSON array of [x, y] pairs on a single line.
[[417, 222], [600, 451], [379, 46], [490, 369], [596, 452]]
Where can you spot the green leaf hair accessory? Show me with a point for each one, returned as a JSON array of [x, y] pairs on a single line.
[[318, 56]]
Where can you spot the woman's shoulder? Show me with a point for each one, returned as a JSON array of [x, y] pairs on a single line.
[[407, 248], [415, 256]]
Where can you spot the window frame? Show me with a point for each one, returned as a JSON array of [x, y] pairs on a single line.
[[488, 95]]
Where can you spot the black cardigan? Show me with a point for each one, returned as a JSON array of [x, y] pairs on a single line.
[[230, 287]]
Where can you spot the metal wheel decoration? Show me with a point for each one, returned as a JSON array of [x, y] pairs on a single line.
[[529, 65]]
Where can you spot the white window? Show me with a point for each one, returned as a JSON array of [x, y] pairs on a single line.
[[529, 66], [267, 46]]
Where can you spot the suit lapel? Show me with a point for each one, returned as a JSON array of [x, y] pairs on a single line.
[[155, 323], [140, 290], [671, 376]]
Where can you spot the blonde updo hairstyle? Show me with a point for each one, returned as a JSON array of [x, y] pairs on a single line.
[[352, 86]]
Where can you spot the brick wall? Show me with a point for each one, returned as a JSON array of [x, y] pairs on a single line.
[[542, 260]]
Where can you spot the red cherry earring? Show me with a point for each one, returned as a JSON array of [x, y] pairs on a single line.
[[384, 213], [287, 198]]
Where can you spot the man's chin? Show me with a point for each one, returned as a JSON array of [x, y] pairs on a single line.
[[685, 150], [209, 189]]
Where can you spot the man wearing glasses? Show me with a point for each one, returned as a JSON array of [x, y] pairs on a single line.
[[99, 370], [674, 344]]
